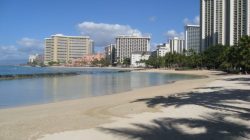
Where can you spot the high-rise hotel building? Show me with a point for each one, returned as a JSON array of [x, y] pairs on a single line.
[[192, 38], [63, 49], [126, 45], [224, 21], [239, 19], [213, 23]]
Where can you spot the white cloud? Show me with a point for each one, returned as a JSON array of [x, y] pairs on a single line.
[[30, 45], [8, 49], [172, 33], [9, 52], [29, 42], [103, 33], [21, 50], [195, 21]]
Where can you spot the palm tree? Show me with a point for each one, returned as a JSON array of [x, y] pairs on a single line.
[[126, 62]]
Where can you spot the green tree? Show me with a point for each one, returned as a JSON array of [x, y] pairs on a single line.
[[126, 62], [232, 59], [244, 53], [51, 63], [194, 60], [95, 62], [213, 56], [153, 61], [104, 62], [168, 60], [172, 60]]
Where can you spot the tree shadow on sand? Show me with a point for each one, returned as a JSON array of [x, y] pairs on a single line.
[[213, 100], [244, 80], [215, 126], [238, 79]]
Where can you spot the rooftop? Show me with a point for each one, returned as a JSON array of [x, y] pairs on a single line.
[[189, 25], [132, 36], [61, 35]]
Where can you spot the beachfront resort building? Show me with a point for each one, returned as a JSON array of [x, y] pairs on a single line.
[[177, 45], [163, 49], [64, 49], [126, 45], [224, 21], [138, 58], [192, 38]]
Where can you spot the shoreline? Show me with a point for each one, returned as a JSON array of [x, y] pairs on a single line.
[[89, 112]]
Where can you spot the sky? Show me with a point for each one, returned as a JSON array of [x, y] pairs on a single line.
[[25, 23]]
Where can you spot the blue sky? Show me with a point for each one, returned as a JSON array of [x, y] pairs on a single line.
[[25, 23]]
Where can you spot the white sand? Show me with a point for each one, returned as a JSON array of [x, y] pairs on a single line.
[[117, 129]]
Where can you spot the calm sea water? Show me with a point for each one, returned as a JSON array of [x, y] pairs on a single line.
[[90, 82]]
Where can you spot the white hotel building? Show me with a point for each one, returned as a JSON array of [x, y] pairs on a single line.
[[63, 49], [177, 45], [163, 49], [126, 45], [224, 21], [137, 57]]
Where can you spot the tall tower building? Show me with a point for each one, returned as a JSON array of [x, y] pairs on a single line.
[[63, 49], [213, 23], [126, 45], [239, 19], [224, 21], [192, 38]]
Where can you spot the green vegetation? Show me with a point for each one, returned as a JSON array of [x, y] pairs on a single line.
[[126, 62], [36, 63], [238, 56], [189, 59], [52, 63], [214, 56], [100, 63], [227, 58]]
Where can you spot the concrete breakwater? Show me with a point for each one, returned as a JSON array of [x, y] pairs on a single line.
[[53, 74], [22, 76]]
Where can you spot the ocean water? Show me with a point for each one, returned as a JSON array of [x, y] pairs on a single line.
[[90, 82]]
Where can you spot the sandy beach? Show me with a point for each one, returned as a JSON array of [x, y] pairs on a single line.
[[207, 108]]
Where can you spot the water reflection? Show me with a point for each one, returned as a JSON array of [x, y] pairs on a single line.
[[44, 90]]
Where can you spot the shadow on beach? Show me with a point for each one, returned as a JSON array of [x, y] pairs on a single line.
[[228, 103]]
